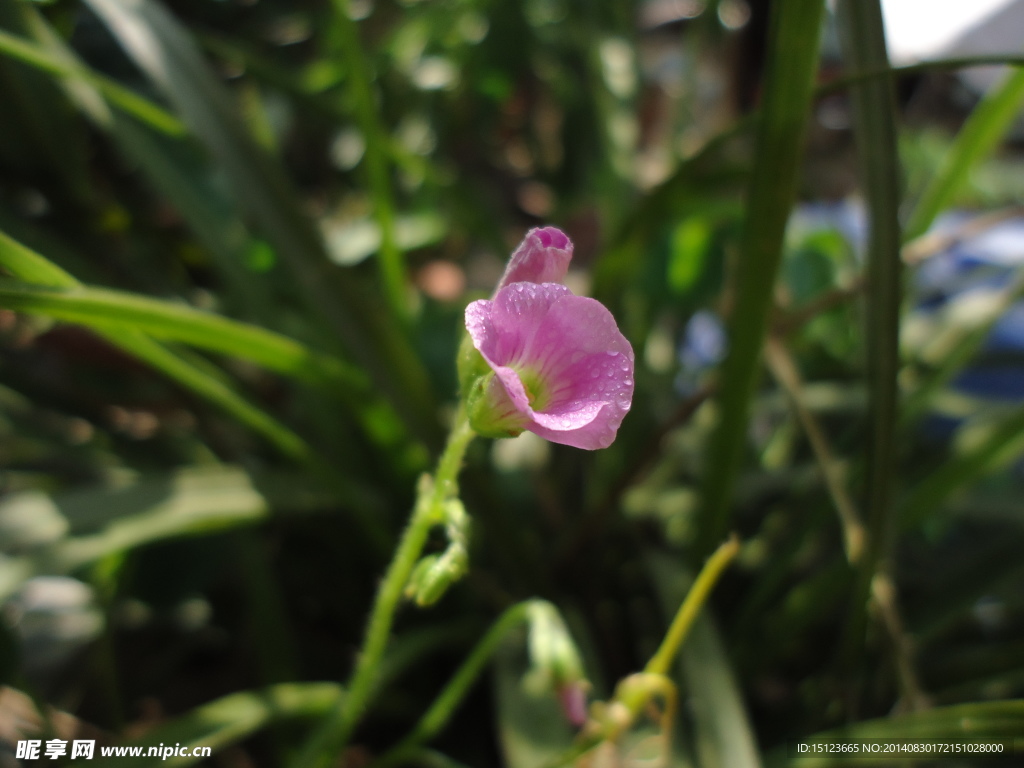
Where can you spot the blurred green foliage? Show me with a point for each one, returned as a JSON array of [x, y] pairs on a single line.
[[238, 239]]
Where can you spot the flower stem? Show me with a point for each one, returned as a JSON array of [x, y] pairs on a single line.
[[695, 599], [333, 736], [441, 711], [635, 691]]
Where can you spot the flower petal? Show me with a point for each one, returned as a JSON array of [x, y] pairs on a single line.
[[542, 257], [571, 347]]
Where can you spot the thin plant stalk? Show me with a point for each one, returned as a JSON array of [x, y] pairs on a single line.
[[634, 692], [695, 599], [883, 590], [334, 734], [784, 369], [389, 257], [444, 706]]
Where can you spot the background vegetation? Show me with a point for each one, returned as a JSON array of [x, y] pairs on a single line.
[[238, 238]]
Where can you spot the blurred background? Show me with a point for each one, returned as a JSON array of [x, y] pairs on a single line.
[[190, 511]]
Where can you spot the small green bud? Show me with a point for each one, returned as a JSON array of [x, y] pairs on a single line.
[[490, 412], [434, 574], [419, 573]]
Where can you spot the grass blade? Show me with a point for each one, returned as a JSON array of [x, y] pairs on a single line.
[[211, 388], [791, 66], [28, 265], [99, 307], [979, 136], [166, 53], [1005, 440], [863, 38], [124, 99]]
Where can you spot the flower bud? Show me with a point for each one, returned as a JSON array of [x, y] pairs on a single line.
[[435, 573]]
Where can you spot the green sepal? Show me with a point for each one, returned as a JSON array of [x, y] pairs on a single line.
[[470, 364]]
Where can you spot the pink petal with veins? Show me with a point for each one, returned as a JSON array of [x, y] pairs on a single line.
[[570, 348]]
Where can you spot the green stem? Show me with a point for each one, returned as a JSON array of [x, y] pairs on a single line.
[[333, 736], [389, 257], [634, 697], [687, 613], [441, 711]]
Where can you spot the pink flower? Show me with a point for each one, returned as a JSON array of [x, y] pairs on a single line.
[[559, 367], [542, 257]]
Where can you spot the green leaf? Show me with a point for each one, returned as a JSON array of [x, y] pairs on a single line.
[[981, 133], [789, 79], [110, 309], [175, 170], [196, 501], [230, 719]]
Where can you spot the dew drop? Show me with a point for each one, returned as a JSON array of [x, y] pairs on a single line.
[[613, 352]]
